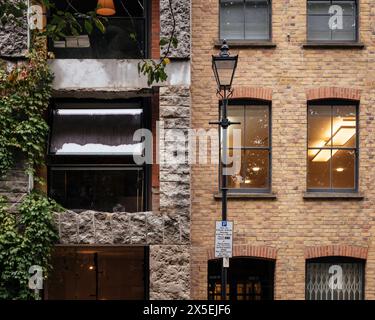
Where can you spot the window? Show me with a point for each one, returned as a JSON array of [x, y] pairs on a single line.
[[331, 20], [251, 161], [98, 273], [332, 147], [248, 279], [116, 43], [245, 19], [91, 149], [335, 278]]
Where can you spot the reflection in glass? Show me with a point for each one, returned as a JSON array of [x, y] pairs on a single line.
[[332, 135], [99, 189], [343, 169], [232, 19], [252, 170], [324, 20]]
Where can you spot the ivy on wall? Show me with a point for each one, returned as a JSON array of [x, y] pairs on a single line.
[[26, 90], [27, 233], [26, 239]]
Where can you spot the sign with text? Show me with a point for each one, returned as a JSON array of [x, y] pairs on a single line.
[[224, 239]]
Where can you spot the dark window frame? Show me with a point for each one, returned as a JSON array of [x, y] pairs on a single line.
[[335, 102], [147, 45], [232, 293], [101, 161], [269, 39], [250, 102], [94, 247], [338, 259], [330, 41]]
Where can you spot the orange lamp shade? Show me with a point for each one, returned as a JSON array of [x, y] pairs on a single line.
[[106, 8]]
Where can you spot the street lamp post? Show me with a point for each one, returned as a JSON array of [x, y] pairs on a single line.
[[224, 67]]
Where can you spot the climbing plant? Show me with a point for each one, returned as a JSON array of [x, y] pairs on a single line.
[[26, 239], [26, 90], [27, 233]]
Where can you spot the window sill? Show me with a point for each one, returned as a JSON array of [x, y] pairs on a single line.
[[247, 44], [250, 196], [333, 196], [333, 45]]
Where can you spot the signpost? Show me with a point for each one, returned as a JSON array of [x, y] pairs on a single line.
[[224, 240]]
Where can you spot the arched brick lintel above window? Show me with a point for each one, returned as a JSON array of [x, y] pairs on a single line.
[[333, 93], [252, 93], [336, 250], [249, 251]]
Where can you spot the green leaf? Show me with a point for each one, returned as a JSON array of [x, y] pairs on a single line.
[[88, 26], [99, 25]]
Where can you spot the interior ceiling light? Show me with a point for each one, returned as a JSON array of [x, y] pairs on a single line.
[[106, 8], [342, 135], [339, 169]]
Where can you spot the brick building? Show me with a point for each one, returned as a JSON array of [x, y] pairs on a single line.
[[126, 231], [303, 200]]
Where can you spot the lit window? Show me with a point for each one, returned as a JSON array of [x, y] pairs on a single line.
[[249, 162], [332, 147]]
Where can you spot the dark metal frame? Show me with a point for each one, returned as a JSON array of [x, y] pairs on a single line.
[[331, 103], [329, 40], [231, 283], [252, 102], [147, 30], [338, 259], [269, 25], [97, 161]]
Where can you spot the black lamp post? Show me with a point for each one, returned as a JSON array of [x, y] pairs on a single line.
[[224, 66]]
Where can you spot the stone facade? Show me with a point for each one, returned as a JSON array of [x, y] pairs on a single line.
[[182, 13], [289, 224], [13, 40], [14, 185], [170, 272]]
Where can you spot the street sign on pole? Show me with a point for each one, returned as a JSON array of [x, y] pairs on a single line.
[[224, 239]]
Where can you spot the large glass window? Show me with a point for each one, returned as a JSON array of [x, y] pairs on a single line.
[[332, 147], [91, 157], [248, 279], [250, 167], [245, 19], [116, 42], [331, 20], [335, 278], [98, 273], [106, 189]]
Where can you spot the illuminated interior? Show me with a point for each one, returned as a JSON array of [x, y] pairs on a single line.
[[332, 135]]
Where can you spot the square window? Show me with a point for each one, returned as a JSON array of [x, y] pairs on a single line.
[[329, 20], [245, 19]]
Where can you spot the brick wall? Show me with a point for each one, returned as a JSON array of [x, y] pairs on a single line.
[[292, 75]]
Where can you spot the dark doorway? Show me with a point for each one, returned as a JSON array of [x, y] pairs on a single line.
[[248, 279], [94, 273]]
